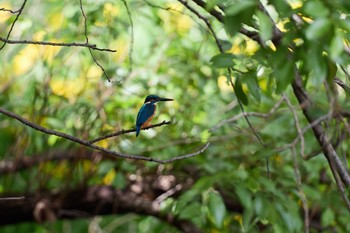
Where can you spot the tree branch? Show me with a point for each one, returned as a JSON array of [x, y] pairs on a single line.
[[125, 131], [85, 202], [319, 133], [9, 10], [87, 41], [13, 23], [92, 146], [47, 43]]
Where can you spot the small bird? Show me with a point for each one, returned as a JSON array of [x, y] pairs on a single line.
[[147, 112]]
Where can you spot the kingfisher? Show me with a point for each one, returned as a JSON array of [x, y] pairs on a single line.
[[147, 112]]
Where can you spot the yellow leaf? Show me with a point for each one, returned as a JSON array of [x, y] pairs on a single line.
[[56, 20], [110, 10], [109, 177], [252, 47], [183, 24], [238, 218], [281, 23], [25, 59], [295, 4], [102, 143], [4, 16], [122, 47], [94, 74], [67, 88], [223, 84], [263, 84], [175, 20], [271, 45], [87, 165]]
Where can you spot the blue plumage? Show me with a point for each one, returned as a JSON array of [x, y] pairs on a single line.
[[147, 112]]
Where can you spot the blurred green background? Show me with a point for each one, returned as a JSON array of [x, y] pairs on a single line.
[[164, 49]]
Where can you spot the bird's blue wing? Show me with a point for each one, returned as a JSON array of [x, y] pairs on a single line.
[[146, 111]]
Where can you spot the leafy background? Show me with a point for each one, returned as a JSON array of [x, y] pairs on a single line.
[[165, 49]]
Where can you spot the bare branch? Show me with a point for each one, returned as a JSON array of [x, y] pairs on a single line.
[[297, 125], [48, 43], [9, 10], [219, 16], [301, 192], [340, 186], [205, 20], [319, 133], [88, 144], [248, 114], [86, 202], [14, 22], [87, 41], [123, 131], [200, 151], [131, 62]]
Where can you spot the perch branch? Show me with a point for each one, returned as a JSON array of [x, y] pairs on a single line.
[[92, 146], [125, 131]]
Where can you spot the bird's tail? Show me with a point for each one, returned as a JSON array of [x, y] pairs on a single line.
[[138, 128]]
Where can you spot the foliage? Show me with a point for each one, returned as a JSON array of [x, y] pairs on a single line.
[[169, 51]]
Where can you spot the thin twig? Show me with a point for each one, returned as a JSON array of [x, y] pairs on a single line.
[[123, 131], [60, 44], [297, 125], [301, 192], [205, 20], [340, 186], [186, 156], [9, 10], [219, 16], [14, 22], [131, 48], [319, 131], [87, 144], [248, 114], [12, 198], [87, 41], [308, 127]]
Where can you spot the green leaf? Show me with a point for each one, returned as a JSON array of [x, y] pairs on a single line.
[[236, 14], [316, 63], [223, 60], [205, 135], [252, 82], [318, 29], [265, 26], [336, 46], [316, 9], [217, 209], [332, 71], [52, 139], [225, 44], [191, 211], [239, 92], [244, 196], [328, 217], [284, 77]]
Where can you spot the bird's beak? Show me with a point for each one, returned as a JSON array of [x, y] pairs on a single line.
[[165, 99]]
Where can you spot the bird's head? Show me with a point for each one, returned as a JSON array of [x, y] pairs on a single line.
[[155, 99]]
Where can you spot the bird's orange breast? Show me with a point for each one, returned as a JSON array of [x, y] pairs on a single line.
[[148, 122]]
